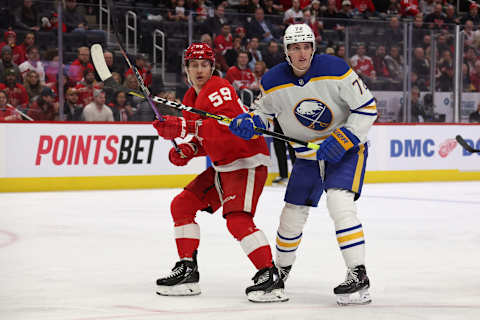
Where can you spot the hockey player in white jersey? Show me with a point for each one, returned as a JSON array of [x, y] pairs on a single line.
[[319, 98]]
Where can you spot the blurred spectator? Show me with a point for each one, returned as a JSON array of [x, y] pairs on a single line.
[[252, 6], [207, 39], [132, 84], [33, 63], [112, 66], [475, 116], [364, 8], [121, 107], [470, 58], [340, 52], [255, 54], [419, 114], [142, 67], [468, 33], [52, 68], [420, 64], [427, 42], [314, 24], [418, 82], [10, 40], [27, 16], [232, 54], [7, 111], [316, 8], [259, 70], [201, 11], [330, 51], [97, 110], [272, 55], [269, 8], [33, 85], [395, 32], [474, 77], [71, 109], [442, 43], [330, 15], [6, 63], [214, 24], [28, 41], [17, 95], [346, 12], [394, 62], [409, 8], [380, 64], [294, 14], [451, 17], [240, 76], [78, 66], [44, 107], [87, 87], [224, 40], [260, 28], [394, 8], [363, 64], [419, 30], [51, 23], [445, 76], [241, 32], [427, 6], [466, 84], [177, 11], [472, 14], [436, 19], [74, 17]]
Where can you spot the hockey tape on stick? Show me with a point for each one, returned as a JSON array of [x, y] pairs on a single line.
[[23, 114], [106, 76], [465, 145]]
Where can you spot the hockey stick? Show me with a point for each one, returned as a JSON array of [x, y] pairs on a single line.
[[106, 76], [465, 145], [23, 114], [138, 76]]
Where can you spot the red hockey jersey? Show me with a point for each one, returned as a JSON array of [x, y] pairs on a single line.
[[227, 151]]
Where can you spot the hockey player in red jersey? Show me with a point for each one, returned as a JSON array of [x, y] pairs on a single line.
[[235, 181]]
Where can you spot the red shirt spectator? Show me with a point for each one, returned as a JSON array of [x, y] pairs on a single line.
[[409, 8], [140, 64], [86, 87], [362, 64], [363, 5], [224, 41], [10, 39], [77, 68], [16, 93], [44, 108], [240, 76], [22, 48]]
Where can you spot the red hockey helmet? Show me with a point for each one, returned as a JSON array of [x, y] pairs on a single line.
[[199, 50]]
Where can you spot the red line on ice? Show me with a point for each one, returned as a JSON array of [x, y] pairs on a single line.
[[11, 238]]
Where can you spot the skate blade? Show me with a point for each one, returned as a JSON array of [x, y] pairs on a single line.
[[186, 289], [357, 298], [276, 295]]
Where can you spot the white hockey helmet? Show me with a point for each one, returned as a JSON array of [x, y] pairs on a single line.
[[296, 33]]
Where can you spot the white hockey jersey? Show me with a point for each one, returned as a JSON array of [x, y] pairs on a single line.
[[329, 96]]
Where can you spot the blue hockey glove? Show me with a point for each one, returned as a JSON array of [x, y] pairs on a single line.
[[334, 147], [243, 126]]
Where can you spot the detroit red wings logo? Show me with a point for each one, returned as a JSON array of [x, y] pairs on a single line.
[[446, 147]]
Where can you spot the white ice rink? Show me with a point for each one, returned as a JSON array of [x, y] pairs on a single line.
[[96, 255]]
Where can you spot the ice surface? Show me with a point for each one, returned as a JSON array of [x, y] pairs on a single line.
[[95, 256]]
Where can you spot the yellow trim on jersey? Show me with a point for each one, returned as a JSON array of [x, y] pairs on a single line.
[[342, 139], [280, 87], [372, 107], [346, 74], [349, 237], [358, 169], [288, 245]]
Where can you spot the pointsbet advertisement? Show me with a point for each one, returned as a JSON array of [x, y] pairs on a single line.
[[46, 151]]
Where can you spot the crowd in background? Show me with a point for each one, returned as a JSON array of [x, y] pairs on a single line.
[[246, 36]]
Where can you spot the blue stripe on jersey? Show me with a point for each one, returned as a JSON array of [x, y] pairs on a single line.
[[365, 113], [352, 245], [285, 238], [302, 149], [365, 104], [349, 229], [281, 250]]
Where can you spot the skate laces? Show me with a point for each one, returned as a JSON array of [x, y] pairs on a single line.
[[261, 276], [352, 276], [177, 270]]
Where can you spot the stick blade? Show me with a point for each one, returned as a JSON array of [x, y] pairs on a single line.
[[96, 51]]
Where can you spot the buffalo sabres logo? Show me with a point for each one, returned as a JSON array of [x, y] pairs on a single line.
[[313, 114]]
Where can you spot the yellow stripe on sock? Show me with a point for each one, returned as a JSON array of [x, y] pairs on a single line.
[[288, 245], [350, 237]]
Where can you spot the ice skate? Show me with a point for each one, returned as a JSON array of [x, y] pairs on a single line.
[[279, 182], [182, 281], [354, 290], [268, 287], [283, 272]]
